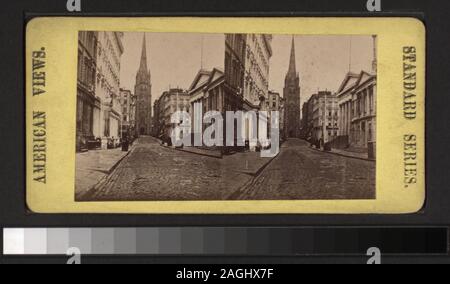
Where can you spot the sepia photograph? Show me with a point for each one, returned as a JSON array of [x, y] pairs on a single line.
[[217, 117]]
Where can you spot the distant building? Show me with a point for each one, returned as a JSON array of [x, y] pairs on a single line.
[[291, 94], [282, 120], [170, 102], [307, 121], [157, 119], [127, 103], [88, 105], [276, 103], [143, 92], [325, 117]]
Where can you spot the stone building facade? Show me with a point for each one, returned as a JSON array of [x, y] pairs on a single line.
[[143, 93], [276, 103], [157, 119], [88, 104], [109, 52], [207, 93], [235, 52], [257, 67], [364, 111], [247, 59], [306, 124], [344, 95], [127, 101], [357, 100], [170, 102], [357, 111], [99, 110], [325, 117]]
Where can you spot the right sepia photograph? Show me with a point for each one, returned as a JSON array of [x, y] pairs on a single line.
[[192, 117]]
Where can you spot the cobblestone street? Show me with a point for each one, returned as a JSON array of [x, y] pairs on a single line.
[[302, 173], [153, 172]]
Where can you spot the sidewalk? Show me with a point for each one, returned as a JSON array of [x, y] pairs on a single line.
[[348, 154], [94, 165]]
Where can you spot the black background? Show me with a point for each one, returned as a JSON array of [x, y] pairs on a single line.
[[13, 18]]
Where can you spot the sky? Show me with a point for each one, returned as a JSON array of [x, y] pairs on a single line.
[[175, 59], [322, 61]]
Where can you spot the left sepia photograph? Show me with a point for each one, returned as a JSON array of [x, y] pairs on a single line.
[[213, 117]]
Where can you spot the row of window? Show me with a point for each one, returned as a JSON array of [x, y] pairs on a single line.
[[234, 71], [86, 69], [111, 74], [89, 41], [237, 44], [263, 53]]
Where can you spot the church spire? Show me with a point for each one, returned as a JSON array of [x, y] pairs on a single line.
[[143, 74], [143, 91], [292, 69], [143, 66]]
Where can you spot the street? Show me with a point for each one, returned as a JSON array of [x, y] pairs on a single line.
[[302, 173], [152, 172]]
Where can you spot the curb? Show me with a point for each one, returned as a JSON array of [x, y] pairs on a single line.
[[119, 161], [343, 155], [91, 192], [239, 192], [263, 167], [260, 169], [195, 153]]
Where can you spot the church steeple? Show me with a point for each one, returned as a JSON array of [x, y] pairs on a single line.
[[291, 94], [143, 74], [292, 68], [143, 92], [143, 66]]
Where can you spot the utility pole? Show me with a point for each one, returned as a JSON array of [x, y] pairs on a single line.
[[325, 133], [201, 53], [350, 55]]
